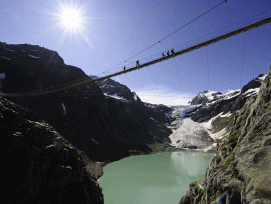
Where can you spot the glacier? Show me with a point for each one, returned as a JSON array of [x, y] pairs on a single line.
[[188, 134]]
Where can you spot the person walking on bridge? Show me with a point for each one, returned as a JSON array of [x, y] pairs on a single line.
[[163, 55], [124, 68], [167, 53], [172, 51], [137, 63]]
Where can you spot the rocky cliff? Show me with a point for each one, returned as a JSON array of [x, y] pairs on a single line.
[[241, 169], [96, 127], [33, 68], [87, 118], [205, 97], [116, 89], [41, 166]]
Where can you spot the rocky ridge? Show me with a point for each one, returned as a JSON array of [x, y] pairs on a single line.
[[31, 68], [90, 122], [88, 119], [242, 167], [114, 88], [46, 167], [204, 97]]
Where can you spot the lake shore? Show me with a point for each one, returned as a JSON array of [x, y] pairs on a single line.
[[96, 168]]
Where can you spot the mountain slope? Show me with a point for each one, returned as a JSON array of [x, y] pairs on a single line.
[[102, 127], [32, 68], [42, 167], [116, 89], [83, 115], [204, 97], [242, 167]]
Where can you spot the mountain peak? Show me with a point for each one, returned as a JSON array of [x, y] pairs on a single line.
[[116, 89], [254, 83], [204, 97]]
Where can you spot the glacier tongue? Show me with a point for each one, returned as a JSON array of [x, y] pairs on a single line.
[[190, 134]]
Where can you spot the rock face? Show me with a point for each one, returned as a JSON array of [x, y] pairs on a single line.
[[204, 97], [242, 166], [42, 166], [113, 88], [85, 117], [33, 68], [229, 102]]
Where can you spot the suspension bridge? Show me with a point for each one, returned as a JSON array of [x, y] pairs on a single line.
[[228, 31]]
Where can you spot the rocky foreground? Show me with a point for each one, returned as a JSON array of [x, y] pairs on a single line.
[[41, 166], [242, 168]]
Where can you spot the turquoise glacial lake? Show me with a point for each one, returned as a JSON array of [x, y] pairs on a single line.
[[161, 178]]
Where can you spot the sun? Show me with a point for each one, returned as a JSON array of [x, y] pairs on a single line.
[[71, 19]]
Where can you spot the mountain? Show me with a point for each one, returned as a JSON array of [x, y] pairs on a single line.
[[41, 165], [205, 97], [115, 89], [229, 102], [102, 127], [59, 163], [239, 121], [32, 68], [86, 117], [203, 125]]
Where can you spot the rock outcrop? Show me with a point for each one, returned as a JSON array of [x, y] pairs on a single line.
[[31, 68], [84, 116], [113, 88], [242, 166], [229, 102], [41, 166], [204, 97]]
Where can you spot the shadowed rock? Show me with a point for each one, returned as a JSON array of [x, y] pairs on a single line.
[[42, 167]]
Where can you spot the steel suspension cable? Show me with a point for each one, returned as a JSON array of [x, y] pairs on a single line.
[[243, 61], [173, 32]]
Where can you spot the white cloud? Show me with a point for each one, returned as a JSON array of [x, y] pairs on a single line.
[[164, 95]]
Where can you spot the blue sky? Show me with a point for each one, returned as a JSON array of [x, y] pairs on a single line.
[[110, 32]]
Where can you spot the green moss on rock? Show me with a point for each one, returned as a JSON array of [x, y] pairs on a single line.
[[227, 162], [264, 107]]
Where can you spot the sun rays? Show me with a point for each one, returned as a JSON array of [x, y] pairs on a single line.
[[68, 21], [71, 19]]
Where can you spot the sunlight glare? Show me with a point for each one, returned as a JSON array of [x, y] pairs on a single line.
[[70, 22], [71, 19]]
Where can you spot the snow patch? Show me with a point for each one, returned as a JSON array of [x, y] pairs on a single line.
[[209, 95], [208, 124], [2, 75], [9, 49], [64, 108], [153, 119], [95, 141], [34, 56], [5, 58], [226, 115], [135, 97], [262, 78], [115, 96], [255, 90], [219, 135]]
